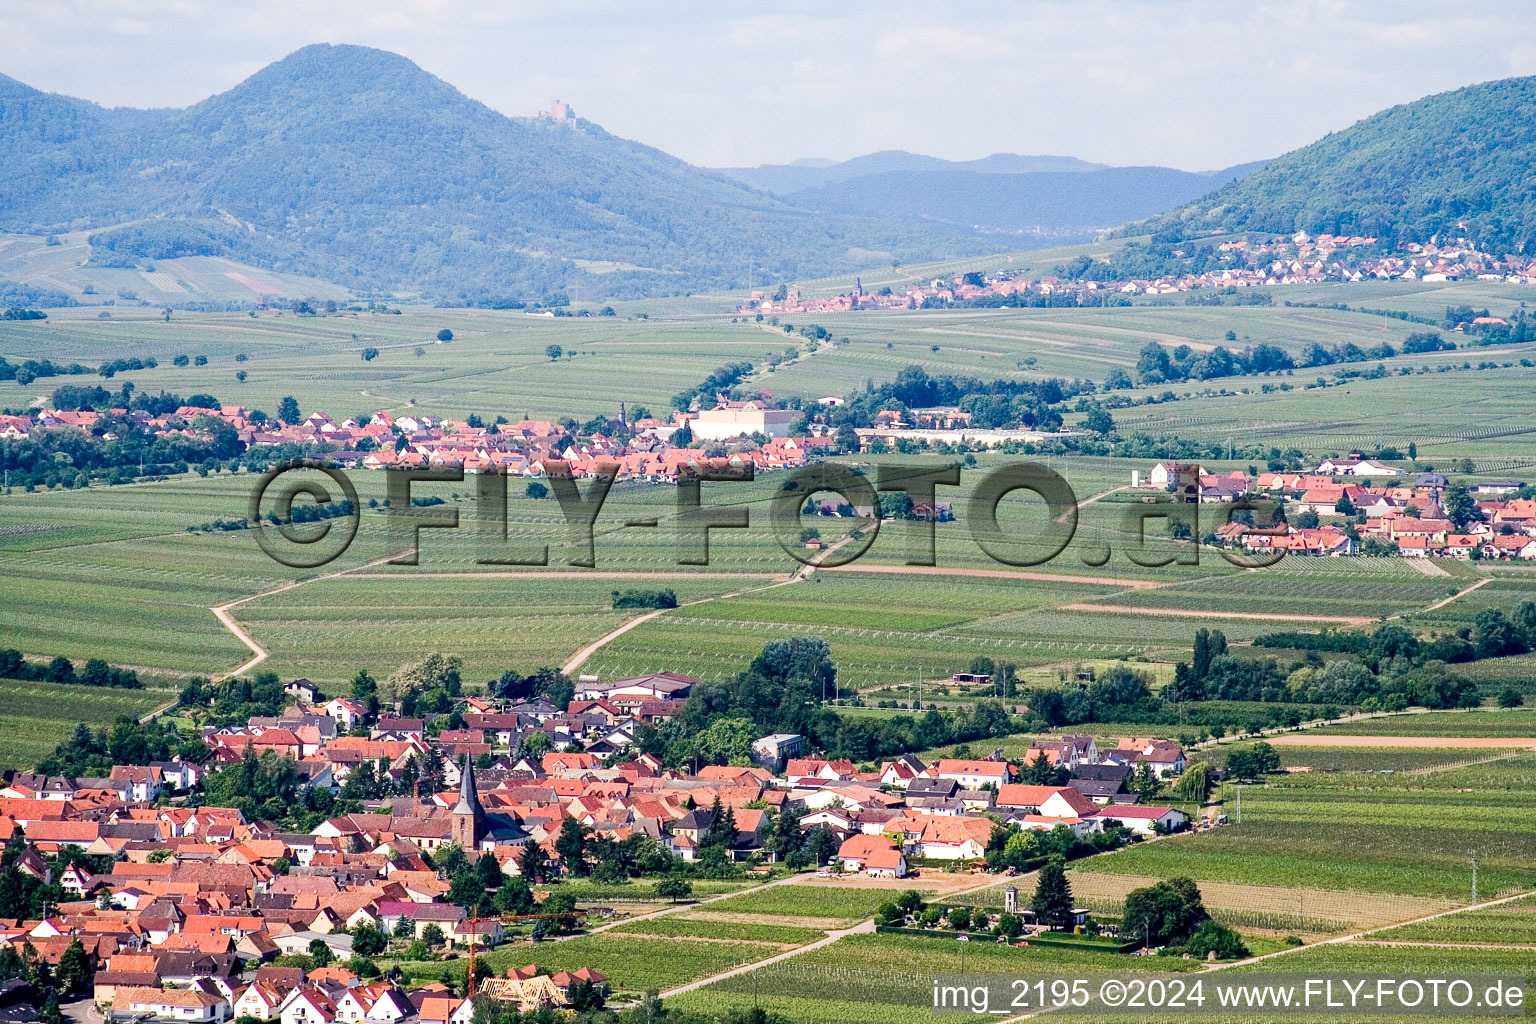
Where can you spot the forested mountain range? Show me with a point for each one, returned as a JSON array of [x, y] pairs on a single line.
[[353, 164], [1455, 164]]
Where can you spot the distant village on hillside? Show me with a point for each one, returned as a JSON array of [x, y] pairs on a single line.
[[1297, 260]]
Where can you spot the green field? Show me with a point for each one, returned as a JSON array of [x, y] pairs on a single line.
[[887, 978], [1406, 842], [35, 716], [1347, 765], [633, 963], [681, 926], [1510, 924], [832, 903], [1519, 722]]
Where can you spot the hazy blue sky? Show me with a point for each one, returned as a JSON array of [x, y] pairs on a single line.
[[1190, 84]]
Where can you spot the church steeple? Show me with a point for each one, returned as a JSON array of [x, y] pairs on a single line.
[[467, 813]]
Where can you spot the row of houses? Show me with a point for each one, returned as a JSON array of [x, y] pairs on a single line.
[[1407, 515], [637, 449]]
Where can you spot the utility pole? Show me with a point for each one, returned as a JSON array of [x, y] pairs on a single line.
[[1474, 878], [469, 988], [1239, 805]]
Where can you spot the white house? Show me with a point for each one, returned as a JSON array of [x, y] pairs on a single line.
[[655, 686], [1143, 820], [169, 1004], [973, 774]]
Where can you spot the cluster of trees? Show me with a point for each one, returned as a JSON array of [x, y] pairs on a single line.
[[1157, 364], [31, 369], [235, 700], [721, 379], [644, 599], [429, 686], [1025, 849], [1119, 693], [1493, 634], [997, 403], [1253, 763], [61, 670], [92, 753], [1394, 664], [783, 691], [1172, 914], [269, 788]]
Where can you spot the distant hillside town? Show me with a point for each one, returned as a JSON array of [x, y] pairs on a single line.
[[1235, 264]]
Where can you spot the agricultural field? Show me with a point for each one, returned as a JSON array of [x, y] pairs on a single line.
[[1350, 764], [587, 892], [1493, 724], [1509, 924], [633, 963], [36, 716], [1310, 912], [684, 926], [1415, 843], [124, 555], [132, 577], [830, 905], [861, 978]]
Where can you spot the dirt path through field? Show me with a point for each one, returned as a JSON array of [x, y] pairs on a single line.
[[1193, 613], [1463, 592], [259, 653], [1418, 742], [575, 661]]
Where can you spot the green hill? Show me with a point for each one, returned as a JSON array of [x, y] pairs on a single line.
[[354, 165], [1458, 163]]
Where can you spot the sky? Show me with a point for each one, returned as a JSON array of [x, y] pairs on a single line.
[[1195, 85]]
